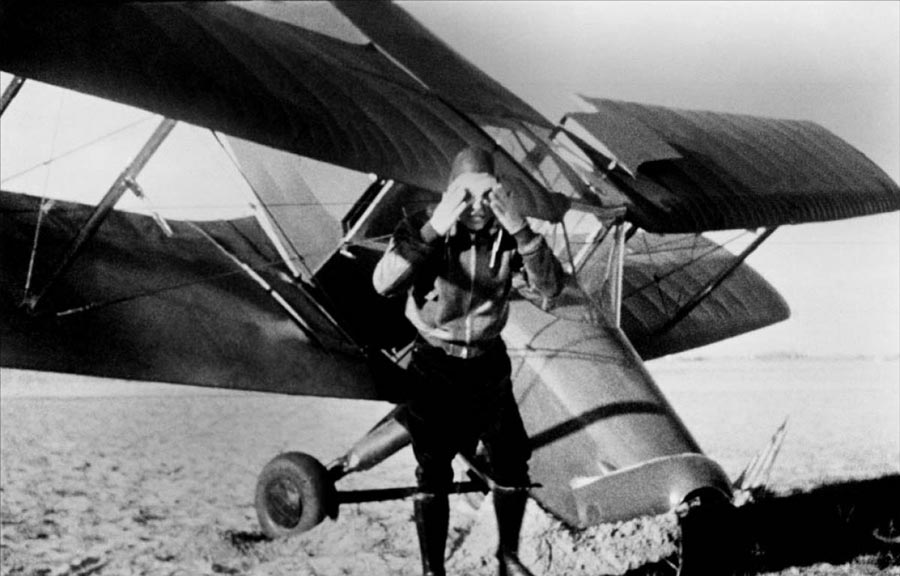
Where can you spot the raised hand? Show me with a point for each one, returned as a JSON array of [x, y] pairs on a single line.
[[452, 204], [505, 210]]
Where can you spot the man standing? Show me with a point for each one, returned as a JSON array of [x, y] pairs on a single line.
[[456, 264]]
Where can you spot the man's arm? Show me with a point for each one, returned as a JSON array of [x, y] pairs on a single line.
[[413, 242], [410, 247], [544, 272]]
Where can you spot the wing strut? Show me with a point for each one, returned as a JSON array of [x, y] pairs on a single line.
[[256, 277], [619, 268], [124, 182], [268, 223], [11, 90], [700, 296]]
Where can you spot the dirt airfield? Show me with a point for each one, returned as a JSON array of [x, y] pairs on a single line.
[[107, 477]]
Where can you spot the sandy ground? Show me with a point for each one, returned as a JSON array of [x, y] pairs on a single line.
[[105, 477]]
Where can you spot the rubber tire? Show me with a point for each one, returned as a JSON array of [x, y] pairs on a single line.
[[293, 495]]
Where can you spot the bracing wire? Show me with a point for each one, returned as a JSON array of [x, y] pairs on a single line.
[[657, 278], [161, 290], [571, 257], [664, 246], [77, 149], [299, 257], [272, 292]]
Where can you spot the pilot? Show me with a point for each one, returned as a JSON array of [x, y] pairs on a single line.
[[455, 264]]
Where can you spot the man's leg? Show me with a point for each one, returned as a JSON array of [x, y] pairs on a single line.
[[509, 451], [431, 507], [432, 514], [424, 416], [509, 507]]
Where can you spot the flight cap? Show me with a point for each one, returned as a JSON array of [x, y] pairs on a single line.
[[471, 160]]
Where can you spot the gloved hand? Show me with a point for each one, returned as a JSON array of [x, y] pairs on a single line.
[[452, 204], [465, 189], [505, 210]]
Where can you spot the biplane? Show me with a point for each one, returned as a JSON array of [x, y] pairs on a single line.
[[281, 300]]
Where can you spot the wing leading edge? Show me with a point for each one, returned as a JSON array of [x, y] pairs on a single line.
[[696, 171], [263, 79]]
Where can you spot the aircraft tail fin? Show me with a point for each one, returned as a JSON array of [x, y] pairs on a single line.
[[755, 476]]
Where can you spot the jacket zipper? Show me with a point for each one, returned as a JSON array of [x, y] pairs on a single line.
[[474, 264]]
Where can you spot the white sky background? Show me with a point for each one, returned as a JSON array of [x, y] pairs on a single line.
[[834, 63]]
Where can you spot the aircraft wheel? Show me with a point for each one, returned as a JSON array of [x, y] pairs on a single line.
[[293, 494], [710, 536]]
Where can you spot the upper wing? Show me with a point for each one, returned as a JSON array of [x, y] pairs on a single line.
[[283, 80], [697, 171], [437, 65]]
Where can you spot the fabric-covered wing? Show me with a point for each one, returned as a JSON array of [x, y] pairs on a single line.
[[249, 75], [463, 85], [662, 273], [139, 305], [716, 171]]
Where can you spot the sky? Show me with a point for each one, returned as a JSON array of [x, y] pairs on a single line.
[[835, 63]]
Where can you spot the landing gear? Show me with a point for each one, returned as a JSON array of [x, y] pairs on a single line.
[[294, 493]]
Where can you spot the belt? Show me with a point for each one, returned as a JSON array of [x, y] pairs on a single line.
[[464, 351]]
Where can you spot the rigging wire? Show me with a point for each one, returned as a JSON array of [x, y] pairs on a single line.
[[664, 246], [535, 167], [297, 318], [299, 257], [592, 312], [656, 277], [695, 245], [77, 149], [676, 269], [156, 291]]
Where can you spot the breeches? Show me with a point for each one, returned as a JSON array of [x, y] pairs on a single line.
[[456, 403]]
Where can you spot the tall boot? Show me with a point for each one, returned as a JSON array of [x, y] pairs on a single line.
[[432, 513], [509, 505]]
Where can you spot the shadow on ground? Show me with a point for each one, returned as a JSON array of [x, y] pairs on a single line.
[[834, 523], [854, 522], [853, 525]]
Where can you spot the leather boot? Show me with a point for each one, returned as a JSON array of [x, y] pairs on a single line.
[[510, 509], [432, 514]]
